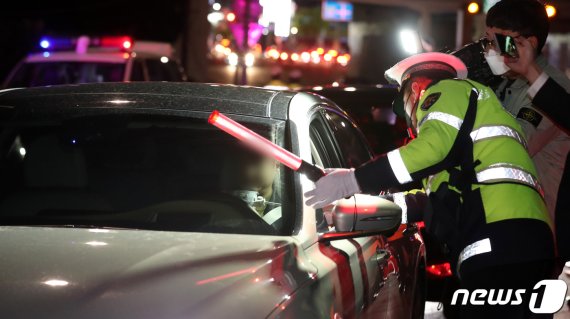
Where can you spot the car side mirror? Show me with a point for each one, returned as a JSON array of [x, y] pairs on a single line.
[[364, 215]]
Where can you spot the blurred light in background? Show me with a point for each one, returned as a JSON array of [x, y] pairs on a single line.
[[409, 40], [337, 11], [473, 8], [215, 17], [164, 59], [249, 59], [294, 30], [231, 17], [343, 59], [284, 56], [216, 6], [233, 59], [273, 53], [550, 10], [279, 12]]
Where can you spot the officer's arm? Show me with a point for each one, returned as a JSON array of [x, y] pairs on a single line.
[[423, 156]]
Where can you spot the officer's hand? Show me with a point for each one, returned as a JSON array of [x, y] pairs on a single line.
[[336, 184]]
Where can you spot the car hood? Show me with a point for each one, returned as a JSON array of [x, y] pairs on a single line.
[[102, 273]]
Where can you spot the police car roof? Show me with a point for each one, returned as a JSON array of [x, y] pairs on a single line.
[[72, 56], [165, 96]]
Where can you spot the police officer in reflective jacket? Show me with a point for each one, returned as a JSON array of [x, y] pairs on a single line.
[[486, 202]]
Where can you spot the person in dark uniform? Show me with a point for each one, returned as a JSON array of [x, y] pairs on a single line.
[[551, 98], [546, 94]]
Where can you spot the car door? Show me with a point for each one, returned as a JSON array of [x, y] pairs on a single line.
[[366, 260], [395, 256]]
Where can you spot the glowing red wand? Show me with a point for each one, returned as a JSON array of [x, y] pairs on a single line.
[[264, 146]]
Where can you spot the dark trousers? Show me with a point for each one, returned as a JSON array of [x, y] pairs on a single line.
[[562, 215], [512, 276]]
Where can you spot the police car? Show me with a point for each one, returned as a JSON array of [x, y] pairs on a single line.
[[95, 59], [120, 200]]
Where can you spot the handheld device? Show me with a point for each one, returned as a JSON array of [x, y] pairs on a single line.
[[506, 45]]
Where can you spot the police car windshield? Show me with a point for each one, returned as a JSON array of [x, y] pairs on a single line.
[[54, 73], [141, 172]]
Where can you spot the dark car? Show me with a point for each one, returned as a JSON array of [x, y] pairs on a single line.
[[371, 107], [119, 200]]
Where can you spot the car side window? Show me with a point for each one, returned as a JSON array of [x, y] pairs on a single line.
[[137, 73], [322, 144], [175, 71], [349, 140], [325, 155], [163, 71]]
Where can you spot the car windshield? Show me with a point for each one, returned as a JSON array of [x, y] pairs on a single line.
[[139, 171], [54, 73]]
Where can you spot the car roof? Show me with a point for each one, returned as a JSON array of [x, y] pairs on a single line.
[[350, 89], [358, 99], [200, 97]]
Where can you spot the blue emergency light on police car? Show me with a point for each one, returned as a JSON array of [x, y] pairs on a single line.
[[57, 43]]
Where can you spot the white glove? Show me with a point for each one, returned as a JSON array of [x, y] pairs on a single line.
[[336, 184]]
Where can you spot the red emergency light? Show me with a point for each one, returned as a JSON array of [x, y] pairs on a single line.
[[264, 146], [120, 42]]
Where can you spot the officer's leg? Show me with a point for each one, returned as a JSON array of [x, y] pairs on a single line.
[[512, 276]]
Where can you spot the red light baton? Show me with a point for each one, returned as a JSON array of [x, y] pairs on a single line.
[[264, 146]]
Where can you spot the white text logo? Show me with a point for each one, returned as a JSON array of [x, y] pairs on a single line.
[[547, 296]]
